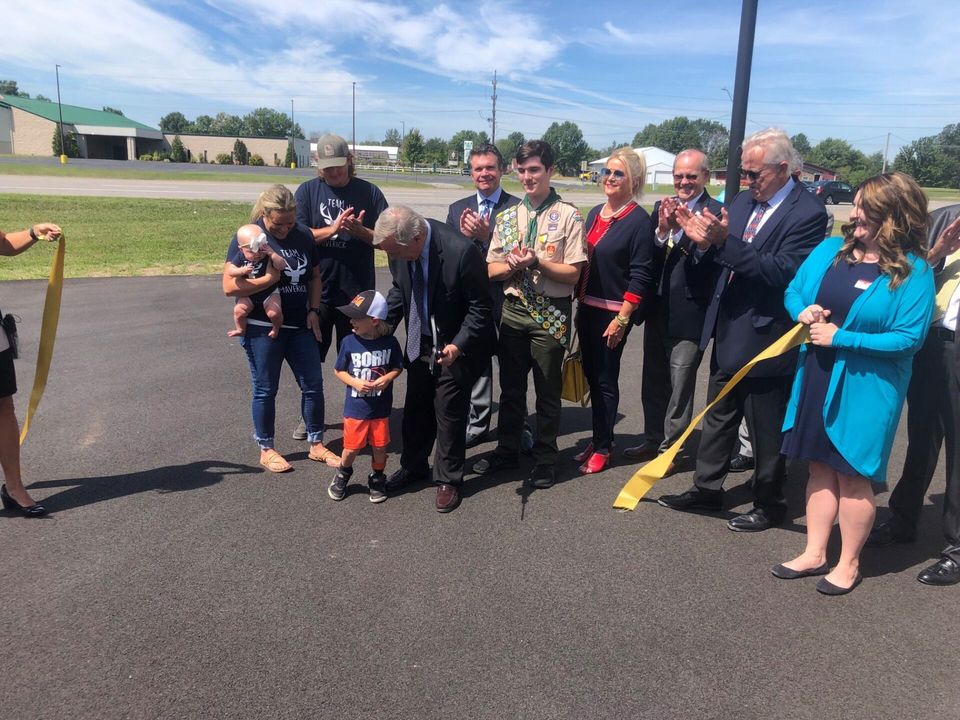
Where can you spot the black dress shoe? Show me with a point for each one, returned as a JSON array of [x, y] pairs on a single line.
[[644, 451], [693, 499], [828, 588], [478, 439], [944, 571], [35, 510], [448, 497], [785, 573], [889, 533], [401, 479], [740, 463], [494, 463], [756, 520], [543, 477]]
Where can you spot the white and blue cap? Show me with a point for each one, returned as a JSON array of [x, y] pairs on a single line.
[[369, 303]]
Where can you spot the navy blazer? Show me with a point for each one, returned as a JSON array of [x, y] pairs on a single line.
[[458, 299], [453, 220], [685, 286], [746, 312]]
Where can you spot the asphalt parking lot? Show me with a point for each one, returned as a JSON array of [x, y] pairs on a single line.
[[177, 579]]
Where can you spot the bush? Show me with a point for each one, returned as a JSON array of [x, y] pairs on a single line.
[[224, 159], [177, 151], [69, 139], [146, 157], [240, 152], [256, 160]]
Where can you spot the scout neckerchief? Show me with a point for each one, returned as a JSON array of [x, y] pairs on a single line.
[[543, 312]]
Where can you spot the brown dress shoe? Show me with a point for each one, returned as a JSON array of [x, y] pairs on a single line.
[[448, 497]]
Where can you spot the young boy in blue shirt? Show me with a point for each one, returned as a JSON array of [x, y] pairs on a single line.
[[368, 363]]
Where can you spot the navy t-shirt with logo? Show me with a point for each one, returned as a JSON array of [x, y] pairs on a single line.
[[346, 262], [369, 360], [300, 252]]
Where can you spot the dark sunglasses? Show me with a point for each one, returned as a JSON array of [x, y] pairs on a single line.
[[751, 175], [619, 174], [688, 176]]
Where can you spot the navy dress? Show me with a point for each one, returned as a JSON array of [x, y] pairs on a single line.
[[807, 439]]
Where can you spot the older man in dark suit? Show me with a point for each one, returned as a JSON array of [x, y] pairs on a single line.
[[933, 413], [440, 286], [474, 217], [769, 232], [671, 336]]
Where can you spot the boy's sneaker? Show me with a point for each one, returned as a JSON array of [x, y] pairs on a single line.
[[377, 483], [338, 486]]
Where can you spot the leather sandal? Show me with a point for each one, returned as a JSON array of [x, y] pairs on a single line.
[[322, 454], [275, 463]]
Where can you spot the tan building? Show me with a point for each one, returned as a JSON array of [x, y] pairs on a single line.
[[27, 127], [207, 147]]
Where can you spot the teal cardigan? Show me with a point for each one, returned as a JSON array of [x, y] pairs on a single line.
[[875, 347]]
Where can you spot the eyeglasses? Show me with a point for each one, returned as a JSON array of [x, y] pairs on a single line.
[[686, 176], [618, 174], [751, 175]]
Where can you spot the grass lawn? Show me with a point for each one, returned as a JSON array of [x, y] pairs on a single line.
[[109, 237]]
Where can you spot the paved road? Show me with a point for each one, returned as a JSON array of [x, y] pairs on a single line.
[[175, 579]]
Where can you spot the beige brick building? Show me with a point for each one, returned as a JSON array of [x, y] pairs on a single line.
[[272, 150]]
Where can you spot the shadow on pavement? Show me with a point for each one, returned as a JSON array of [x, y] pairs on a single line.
[[172, 478]]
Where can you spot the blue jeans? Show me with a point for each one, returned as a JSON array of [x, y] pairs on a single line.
[[298, 347]]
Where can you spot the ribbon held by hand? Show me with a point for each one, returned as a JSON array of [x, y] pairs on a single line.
[[648, 475]]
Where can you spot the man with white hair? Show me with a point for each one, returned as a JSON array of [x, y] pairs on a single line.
[[759, 245], [440, 287]]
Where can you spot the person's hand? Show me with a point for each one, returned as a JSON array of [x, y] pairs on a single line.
[[313, 322], [693, 226], [350, 222], [448, 356], [381, 383], [821, 333], [947, 243], [245, 269], [472, 225], [813, 314], [667, 216], [47, 231], [614, 333], [716, 227], [520, 258]]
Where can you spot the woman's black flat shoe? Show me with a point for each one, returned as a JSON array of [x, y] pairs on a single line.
[[35, 510]]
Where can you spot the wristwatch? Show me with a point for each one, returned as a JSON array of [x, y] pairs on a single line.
[[33, 235], [315, 310]]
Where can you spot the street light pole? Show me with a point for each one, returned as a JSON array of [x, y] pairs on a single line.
[[741, 89], [63, 147], [354, 118]]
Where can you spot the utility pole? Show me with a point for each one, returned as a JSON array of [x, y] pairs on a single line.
[[63, 147], [354, 119], [886, 149], [493, 119], [741, 90]]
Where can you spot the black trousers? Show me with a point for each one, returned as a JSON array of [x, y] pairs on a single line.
[[763, 401], [601, 366], [435, 409], [933, 416], [330, 319]]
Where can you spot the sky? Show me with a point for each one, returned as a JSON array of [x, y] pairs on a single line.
[[856, 69]]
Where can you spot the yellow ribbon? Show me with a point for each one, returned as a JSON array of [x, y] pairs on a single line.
[[647, 476], [48, 333]]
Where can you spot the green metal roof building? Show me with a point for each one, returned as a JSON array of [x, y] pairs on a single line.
[[27, 127]]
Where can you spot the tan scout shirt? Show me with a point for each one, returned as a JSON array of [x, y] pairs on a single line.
[[560, 238]]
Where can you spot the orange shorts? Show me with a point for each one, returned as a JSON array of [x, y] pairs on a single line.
[[357, 434]]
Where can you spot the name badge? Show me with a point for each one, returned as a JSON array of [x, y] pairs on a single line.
[[862, 284]]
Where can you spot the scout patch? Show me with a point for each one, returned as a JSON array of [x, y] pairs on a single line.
[[553, 216]]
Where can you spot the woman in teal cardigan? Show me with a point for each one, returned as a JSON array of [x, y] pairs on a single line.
[[867, 298]]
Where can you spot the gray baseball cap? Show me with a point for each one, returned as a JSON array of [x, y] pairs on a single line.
[[332, 151]]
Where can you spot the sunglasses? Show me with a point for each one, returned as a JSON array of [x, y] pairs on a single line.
[[607, 172], [751, 175], [687, 176]]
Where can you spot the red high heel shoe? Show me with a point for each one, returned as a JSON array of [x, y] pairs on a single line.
[[584, 454], [597, 462]]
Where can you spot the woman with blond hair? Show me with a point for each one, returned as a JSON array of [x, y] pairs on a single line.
[[619, 273], [867, 298], [296, 343]]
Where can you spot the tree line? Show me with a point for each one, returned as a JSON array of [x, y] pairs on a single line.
[[262, 122]]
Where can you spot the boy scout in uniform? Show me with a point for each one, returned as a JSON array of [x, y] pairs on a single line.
[[538, 249]]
